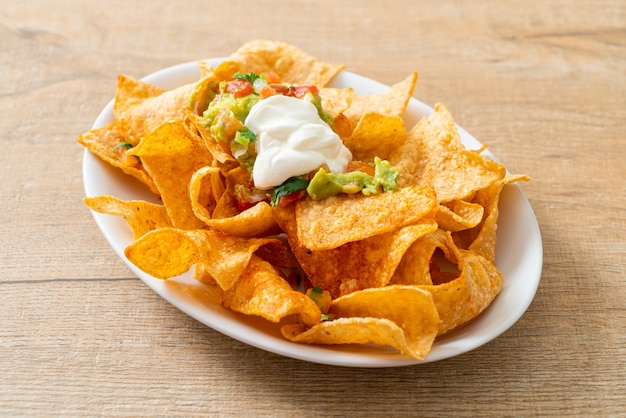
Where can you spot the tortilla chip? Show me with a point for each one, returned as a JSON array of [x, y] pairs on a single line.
[[362, 264], [141, 216], [462, 299], [392, 102], [337, 220], [171, 154], [102, 141], [289, 63], [335, 101], [148, 114], [459, 215], [433, 154], [399, 316], [482, 238], [262, 291], [130, 92], [414, 268], [376, 135], [253, 222], [169, 252]]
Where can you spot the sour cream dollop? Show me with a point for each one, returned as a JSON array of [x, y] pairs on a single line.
[[292, 140]]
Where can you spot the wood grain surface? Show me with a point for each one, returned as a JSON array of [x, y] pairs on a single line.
[[541, 82]]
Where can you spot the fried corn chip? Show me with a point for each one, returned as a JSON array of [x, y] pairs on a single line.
[[171, 154], [392, 102], [459, 215], [433, 154], [376, 135], [252, 222], [263, 292], [102, 142], [289, 63], [332, 222], [130, 92], [462, 299], [482, 238], [336, 101], [402, 317], [169, 252], [146, 115], [141, 216], [415, 267], [361, 264]]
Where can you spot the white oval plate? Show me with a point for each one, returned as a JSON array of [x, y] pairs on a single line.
[[519, 255]]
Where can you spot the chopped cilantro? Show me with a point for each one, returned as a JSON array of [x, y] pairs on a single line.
[[126, 145], [290, 185], [251, 77]]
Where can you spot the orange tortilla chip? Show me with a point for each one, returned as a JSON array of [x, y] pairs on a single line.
[[253, 222], [482, 238], [337, 220], [361, 264], [403, 317], [101, 142], [171, 154], [335, 101], [459, 215], [148, 114], [376, 135], [433, 154], [289, 63], [262, 291], [462, 299], [169, 252], [141, 216], [130, 92], [392, 102]]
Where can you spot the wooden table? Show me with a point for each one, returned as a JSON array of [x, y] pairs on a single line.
[[543, 83]]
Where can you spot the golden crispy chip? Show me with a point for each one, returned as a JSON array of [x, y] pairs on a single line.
[[205, 90], [102, 142], [482, 238], [459, 215], [403, 317], [288, 62], [433, 154], [376, 135], [148, 114], [414, 269], [463, 298], [169, 252], [141, 216], [392, 102], [335, 101], [362, 264], [262, 291], [130, 92], [256, 221], [203, 198], [171, 154], [329, 223], [252, 222], [220, 150]]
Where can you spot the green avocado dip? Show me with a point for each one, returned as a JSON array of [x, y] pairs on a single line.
[[325, 184]]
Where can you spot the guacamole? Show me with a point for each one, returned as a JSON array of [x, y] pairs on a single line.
[[325, 184]]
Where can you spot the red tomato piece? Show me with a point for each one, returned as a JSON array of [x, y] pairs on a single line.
[[239, 88]]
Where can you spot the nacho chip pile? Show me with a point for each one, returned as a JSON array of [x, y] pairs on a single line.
[[397, 268]]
